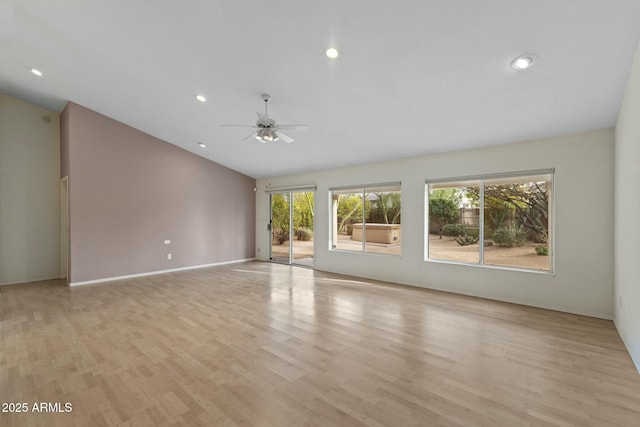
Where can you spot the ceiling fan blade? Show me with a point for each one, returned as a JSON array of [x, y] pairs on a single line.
[[293, 126], [285, 138], [253, 134], [241, 126]]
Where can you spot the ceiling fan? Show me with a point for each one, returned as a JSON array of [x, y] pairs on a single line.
[[267, 128]]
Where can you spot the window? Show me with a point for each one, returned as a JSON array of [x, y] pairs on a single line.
[[453, 214], [366, 219], [499, 220]]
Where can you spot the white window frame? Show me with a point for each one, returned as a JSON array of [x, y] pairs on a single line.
[[357, 189], [480, 179]]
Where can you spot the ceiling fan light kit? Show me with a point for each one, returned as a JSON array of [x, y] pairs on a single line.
[[267, 135], [267, 128]]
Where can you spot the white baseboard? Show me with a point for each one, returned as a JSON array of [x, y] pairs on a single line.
[[535, 304], [635, 358], [151, 273], [530, 303], [493, 297], [40, 279]]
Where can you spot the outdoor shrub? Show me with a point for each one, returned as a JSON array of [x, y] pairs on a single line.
[[303, 234], [349, 229], [281, 235], [442, 212], [471, 231], [542, 250], [466, 240], [452, 230], [509, 237], [540, 237]]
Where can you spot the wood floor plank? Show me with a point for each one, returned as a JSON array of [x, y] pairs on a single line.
[[260, 344]]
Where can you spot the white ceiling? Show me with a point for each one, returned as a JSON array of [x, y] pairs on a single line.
[[414, 76]]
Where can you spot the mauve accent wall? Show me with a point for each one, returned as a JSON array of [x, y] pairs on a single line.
[[129, 191]]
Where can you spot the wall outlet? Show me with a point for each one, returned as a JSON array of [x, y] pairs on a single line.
[[167, 242], [169, 256]]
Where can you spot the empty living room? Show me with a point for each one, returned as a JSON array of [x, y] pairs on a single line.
[[320, 214]]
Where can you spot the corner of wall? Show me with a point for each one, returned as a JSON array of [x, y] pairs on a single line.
[[627, 206], [30, 192]]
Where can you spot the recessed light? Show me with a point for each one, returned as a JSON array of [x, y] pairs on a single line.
[[522, 62], [36, 72], [201, 98], [332, 52], [201, 145]]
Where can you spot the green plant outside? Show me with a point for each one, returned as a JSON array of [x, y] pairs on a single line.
[[303, 216], [509, 237], [542, 250], [443, 212]]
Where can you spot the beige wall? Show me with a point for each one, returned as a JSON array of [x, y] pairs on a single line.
[[583, 278], [627, 219], [29, 192], [130, 191]]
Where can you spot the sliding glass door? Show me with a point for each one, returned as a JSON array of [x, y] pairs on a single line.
[[281, 227], [292, 215], [302, 221]]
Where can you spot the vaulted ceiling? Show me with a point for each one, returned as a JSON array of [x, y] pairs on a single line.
[[413, 77]]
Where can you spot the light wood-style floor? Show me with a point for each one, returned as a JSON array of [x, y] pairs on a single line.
[[259, 344]]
